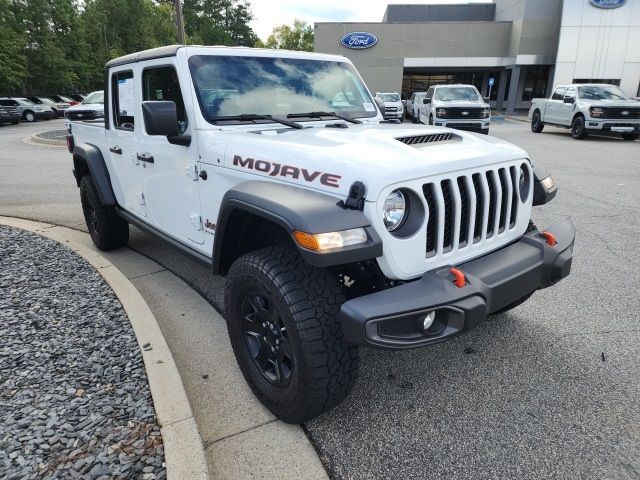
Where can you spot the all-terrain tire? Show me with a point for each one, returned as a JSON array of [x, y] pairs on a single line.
[[108, 231], [536, 122], [578, 130], [630, 137], [304, 301]]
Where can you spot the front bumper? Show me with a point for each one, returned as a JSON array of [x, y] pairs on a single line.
[[392, 318], [478, 126], [613, 125]]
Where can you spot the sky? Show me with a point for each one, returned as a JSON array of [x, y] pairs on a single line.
[[271, 13]]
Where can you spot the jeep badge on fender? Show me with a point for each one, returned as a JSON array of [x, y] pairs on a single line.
[[334, 230]]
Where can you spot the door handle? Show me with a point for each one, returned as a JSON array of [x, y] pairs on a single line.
[[117, 150], [143, 157]]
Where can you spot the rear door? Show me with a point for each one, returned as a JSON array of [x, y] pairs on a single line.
[[124, 123], [552, 109], [171, 182]]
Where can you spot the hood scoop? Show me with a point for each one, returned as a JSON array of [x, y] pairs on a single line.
[[429, 138]]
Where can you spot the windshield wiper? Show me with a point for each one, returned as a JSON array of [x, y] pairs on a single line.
[[256, 116], [323, 114]]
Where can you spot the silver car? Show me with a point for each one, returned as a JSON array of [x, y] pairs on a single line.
[[28, 110]]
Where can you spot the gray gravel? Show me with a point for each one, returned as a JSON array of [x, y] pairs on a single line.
[[59, 135], [74, 397]]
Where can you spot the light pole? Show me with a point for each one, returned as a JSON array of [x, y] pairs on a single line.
[[179, 21]]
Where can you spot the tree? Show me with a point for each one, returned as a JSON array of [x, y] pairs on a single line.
[[298, 37], [218, 22], [13, 69]]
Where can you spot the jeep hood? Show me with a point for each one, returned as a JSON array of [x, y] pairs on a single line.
[[370, 153]]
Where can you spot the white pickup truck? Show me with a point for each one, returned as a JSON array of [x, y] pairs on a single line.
[[584, 108], [334, 229], [455, 106], [393, 106]]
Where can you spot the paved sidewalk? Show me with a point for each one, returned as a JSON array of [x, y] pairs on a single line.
[[74, 397]]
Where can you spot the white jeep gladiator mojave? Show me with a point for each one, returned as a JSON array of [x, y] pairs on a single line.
[[455, 106], [334, 229], [587, 107]]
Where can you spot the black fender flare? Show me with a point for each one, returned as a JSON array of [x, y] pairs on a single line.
[[91, 156], [541, 194], [294, 208]]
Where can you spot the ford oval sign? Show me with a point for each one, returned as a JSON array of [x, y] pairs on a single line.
[[608, 3], [359, 40]]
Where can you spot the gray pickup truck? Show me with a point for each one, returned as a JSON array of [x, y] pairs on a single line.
[[588, 108]]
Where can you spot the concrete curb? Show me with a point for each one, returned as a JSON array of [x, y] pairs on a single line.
[[184, 451], [42, 142], [517, 118], [47, 141]]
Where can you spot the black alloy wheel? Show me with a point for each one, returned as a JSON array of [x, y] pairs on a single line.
[[266, 338], [578, 130]]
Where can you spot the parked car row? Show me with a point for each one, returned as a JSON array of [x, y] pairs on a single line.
[[32, 108]]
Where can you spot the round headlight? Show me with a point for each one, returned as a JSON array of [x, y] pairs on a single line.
[[394, 210]]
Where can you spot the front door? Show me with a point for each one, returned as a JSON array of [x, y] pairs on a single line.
[[568, 106], [171, 182]]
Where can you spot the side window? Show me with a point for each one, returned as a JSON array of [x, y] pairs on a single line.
[[161, 83], [571, 93], [4, 103], [559, 93], [123, 99]]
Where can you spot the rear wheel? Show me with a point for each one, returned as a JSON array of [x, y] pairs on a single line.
[[108, 231], [536, 123], [281, 317], [630, 136], [578, 130]]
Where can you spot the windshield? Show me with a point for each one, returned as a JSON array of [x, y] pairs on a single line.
[[389, 97], [447, 94], [232, 85], [601, 92], [47, 101], [95, 97], [24, 101]]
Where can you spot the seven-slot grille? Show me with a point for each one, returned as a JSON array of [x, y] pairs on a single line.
[[617, 112], [459, 112], [471, 208]]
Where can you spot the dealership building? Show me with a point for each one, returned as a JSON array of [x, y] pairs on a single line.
[[511, 50]]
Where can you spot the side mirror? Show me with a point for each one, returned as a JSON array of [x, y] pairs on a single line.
[[160, 117], [486, 99], [426, 101], [569, 99]]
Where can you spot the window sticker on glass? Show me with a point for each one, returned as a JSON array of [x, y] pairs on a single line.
[[368, 107], [125, 96]]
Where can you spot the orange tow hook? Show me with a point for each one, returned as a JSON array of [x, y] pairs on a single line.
[[460, 280], [551, 238]]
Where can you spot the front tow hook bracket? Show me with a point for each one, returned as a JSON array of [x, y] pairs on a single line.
[[550, 237], [460, 280]]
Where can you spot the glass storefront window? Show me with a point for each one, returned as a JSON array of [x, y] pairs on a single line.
[[535, 81]]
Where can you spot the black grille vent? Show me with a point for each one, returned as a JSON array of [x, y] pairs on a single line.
[[464, 211], [492, 203], [448, 216], [504, 201], [398, 327], [432, 137], [433, 219], [477, 228], [514, 198]]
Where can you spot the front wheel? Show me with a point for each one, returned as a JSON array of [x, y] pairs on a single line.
[[578, 130], [29, 116], [108, 231], [536, 123], [281, 317], [630, 136]]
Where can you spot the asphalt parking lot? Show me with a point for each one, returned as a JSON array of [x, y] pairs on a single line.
[[549, 390]]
